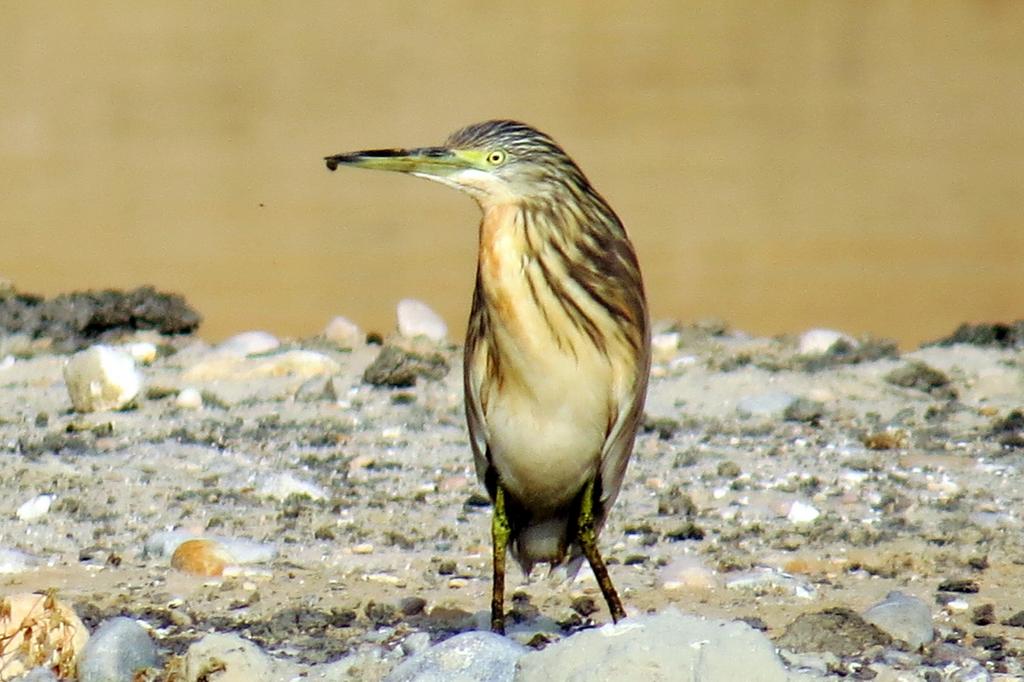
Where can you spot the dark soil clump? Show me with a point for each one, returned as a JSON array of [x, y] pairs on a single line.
[[78, 319]]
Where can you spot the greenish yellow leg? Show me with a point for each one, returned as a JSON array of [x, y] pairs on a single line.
[[500, 533], [587, 535]]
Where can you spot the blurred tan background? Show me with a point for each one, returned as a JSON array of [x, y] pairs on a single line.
[[783, 165]]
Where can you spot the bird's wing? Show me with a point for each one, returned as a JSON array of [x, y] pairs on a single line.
[[618, 445], [474, 377]]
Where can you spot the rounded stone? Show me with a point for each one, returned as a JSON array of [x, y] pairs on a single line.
[[101, 378], [903, 617], [201, 557], [416, 318], [118, 648]]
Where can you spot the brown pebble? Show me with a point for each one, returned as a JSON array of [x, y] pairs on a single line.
[[412, 606], [984, 614], [201, 557]]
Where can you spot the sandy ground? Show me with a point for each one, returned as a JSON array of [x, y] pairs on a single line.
[[915, 485]]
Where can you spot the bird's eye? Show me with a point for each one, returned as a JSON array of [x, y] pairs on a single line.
[[496, 158]]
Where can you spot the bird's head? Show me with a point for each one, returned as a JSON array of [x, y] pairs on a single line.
[[497, 162]]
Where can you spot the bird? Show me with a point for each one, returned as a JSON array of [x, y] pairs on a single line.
[[557, 350]]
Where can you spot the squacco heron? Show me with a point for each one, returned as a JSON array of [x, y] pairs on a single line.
[[557, 348]]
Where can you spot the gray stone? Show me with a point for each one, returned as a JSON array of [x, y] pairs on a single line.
[[903, 617], [399, 368], [468, 657], [666, 646], [117, 649]]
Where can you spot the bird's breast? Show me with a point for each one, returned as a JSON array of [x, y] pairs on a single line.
[[547, 415]]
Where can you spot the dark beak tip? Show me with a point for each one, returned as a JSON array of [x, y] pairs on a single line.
[[332, 162]]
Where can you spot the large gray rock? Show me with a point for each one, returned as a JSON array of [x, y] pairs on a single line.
[[117, 649], [664, 647], [903, 617], [468, 657]]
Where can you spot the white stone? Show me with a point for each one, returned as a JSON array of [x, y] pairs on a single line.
[[143, 352], [664, 346], [281, 486], [801, 513], [249, 343], [818, 341], [415, 318], [35, 508], [666, 646], [101, 378], [189, 399], [344, 332]]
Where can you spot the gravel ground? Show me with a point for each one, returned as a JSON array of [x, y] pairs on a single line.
[[767, 485]]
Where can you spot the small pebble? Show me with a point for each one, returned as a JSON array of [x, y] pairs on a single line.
[[664, 346], [412, 606], [249, 343], [143, 352], [819, 341], [35, 508], [116, 650], [344, 333], [101, 378], [415, 643], [283, 486], [189, 399], [201, 557], [415, 318], [801, 513]]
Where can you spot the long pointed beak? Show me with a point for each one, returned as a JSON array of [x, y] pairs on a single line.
[[429, 161]]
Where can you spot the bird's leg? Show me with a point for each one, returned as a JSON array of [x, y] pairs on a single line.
[[586, 533], [500, 533]]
